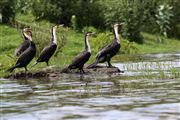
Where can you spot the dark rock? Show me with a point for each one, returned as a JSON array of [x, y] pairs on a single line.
[[50, 73]]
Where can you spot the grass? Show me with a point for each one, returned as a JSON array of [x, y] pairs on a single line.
[[10, 38], [151, 45]]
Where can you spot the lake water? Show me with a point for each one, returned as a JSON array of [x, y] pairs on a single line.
[[147, 90]]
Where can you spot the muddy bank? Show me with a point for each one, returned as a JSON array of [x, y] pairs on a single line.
[[53, 74]]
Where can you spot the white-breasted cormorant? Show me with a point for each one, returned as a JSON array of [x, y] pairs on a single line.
[[81, 58], [23, 45], [107, 52], [48, 51], [25, 58]]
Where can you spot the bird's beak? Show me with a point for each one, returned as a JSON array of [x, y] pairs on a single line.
[[60, 25], [94, 34], [122, 23]]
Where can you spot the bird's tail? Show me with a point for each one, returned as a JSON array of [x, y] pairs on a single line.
[[93, 65], [34, 64], [65, 70], [11, 69]]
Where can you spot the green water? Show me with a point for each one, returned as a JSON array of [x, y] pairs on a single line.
[[151, 96]]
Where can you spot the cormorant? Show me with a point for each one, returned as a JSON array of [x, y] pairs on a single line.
[[24, 45], [25, 58], [81, 58], [48, 51], [107, 52]]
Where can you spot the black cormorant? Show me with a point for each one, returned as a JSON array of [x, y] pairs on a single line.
[[107, 52], [25, 58], [48, 51], [81, 58], [23, 45]]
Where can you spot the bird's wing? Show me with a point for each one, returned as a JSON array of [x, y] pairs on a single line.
[[24, 55], [22, 48], [80, 57], [47, 52], [104, 50], [104, 47]]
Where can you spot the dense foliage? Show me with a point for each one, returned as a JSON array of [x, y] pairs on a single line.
[[7, 11], [175, 20], [57, 11], [163, 18], [138, 15], [128, 11]]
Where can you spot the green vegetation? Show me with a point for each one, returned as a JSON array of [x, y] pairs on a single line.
[[154, 16], [7, 11], [71, 43], [148, 27], [152, 45]]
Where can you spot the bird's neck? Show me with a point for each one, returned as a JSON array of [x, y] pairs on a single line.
[[54, 39], [87, 45], [27, 37], [116, 35], [32, 44]]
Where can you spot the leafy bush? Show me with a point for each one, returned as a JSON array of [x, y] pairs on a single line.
[[106, 38], [23, 6], [149, 20], [163, 18], [175, 19], [89, 13], [7, 11], [138, 15], [58, 11], [128, 47], [128, 11], [102, 39], [89, 29]]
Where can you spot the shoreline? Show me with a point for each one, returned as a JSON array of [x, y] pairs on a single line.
[[54, 74]]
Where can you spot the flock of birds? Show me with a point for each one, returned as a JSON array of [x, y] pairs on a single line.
[[27, 50]]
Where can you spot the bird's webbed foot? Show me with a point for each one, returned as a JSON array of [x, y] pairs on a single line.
[[109, 65]]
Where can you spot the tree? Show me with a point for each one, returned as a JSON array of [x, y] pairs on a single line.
[[163, 18], [175, 20], [7, 10], [89, 13], [58, 11], [129, 11]]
